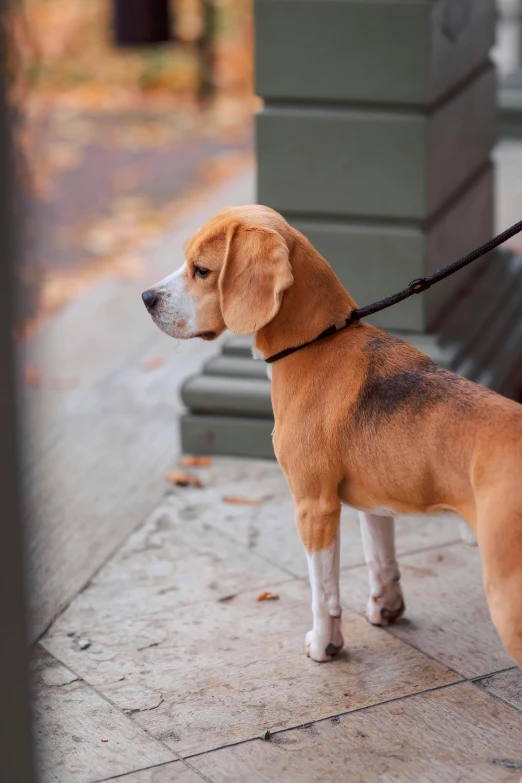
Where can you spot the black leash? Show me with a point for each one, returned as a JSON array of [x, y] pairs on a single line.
[[415, 287]]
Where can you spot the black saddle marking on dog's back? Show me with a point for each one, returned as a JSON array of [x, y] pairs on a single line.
[[413, 389]]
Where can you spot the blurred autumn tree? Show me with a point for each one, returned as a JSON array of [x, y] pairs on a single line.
[[103, 133], [63, 54]]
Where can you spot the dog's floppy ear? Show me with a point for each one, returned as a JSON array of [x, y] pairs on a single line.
[[255, 274]]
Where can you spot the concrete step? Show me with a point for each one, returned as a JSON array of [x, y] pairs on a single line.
[[232, 396], [238, 346], [238, 352], [236, 366], [488, 315], [496, 331], [228, 435]]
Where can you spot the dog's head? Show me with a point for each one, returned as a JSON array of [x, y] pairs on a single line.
[[236, 271]]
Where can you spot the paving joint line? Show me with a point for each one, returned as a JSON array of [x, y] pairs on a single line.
[[462, 679], [118, 709], [493, 673], [420, 550], [136, 771], [476, 683], [93, 576], [388, 630], [329, 717]]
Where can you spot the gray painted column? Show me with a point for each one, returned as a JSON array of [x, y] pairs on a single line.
[[376, 135], [374, 141]]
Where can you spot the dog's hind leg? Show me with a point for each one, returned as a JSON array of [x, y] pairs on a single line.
[[386, 603], [318, 522], [499, 533]]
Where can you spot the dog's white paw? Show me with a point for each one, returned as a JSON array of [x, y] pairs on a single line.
[[386, 607], [321, 647]]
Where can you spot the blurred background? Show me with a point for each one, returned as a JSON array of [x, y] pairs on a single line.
[[117, 134]]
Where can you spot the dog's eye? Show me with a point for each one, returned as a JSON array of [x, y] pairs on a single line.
[[200, 271]]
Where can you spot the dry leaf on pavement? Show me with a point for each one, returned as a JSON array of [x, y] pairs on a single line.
[[33, 376], [183, 479], [241, 501], [268, 597], [153, 362], [192, 461]]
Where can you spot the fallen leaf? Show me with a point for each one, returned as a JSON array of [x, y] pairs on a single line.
[[183, 479], [33, 376], [268, 597], [241, 501], [265, 735], [153, 362], [191, 461], [226, 598]]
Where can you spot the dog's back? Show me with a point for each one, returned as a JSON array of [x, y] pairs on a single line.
[[387, 414]]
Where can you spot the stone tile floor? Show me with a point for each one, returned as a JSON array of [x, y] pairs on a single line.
[[166, 668]]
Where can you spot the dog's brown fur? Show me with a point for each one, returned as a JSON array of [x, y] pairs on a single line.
[[363, 417]]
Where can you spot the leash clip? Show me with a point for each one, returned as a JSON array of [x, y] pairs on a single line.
[[419, 285]]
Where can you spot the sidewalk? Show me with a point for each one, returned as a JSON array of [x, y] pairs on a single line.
[[168, 655], [101, 427]]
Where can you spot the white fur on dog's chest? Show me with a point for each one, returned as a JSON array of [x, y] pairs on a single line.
[[257, 354]]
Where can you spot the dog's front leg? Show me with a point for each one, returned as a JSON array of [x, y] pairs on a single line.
[[318, 525], [386, 603]]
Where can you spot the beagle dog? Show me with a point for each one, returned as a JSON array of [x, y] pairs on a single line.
[[362, 417]]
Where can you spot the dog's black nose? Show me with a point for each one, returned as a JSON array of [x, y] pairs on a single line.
[[149, 299]]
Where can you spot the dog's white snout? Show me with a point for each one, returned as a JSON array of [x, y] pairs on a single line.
[[172, 308]]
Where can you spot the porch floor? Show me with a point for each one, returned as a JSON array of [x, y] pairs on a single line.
[[168, 668]]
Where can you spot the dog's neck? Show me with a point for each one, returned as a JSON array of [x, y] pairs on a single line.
[[314, 301]]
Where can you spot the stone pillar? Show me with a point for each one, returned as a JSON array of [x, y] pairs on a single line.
[[376, 135], [374, 141]]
